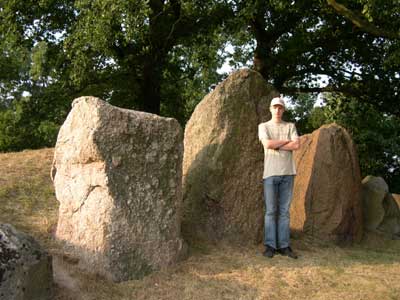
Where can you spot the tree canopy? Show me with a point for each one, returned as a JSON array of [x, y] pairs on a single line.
[[298, 42], [163, 56]]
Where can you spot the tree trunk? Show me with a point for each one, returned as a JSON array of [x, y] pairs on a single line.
[[151, 86], [261, 53], [260, 60]]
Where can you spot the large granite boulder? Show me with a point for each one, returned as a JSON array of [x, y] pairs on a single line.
[[327, 190], [380, 208], [117, 175], [223, 161], [25, 268]]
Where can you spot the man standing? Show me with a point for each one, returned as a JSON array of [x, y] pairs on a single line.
[[279, 139]]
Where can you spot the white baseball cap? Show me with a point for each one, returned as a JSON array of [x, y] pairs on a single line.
[[278, 101]]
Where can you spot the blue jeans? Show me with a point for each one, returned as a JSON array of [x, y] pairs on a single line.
[[278, 192]]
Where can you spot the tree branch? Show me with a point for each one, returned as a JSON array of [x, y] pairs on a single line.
[[188, 27], [328, 88], [360, 22], [301, 90], [267, 38]]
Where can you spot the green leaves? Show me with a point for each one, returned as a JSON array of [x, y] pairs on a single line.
[[39, 59], [376, 134], [163, 57]]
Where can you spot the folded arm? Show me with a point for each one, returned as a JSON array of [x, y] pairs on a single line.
[[273, 144], [292, 145], [281, 144]]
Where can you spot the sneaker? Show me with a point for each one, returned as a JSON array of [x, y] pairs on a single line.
[[288, 252], [269, 252]]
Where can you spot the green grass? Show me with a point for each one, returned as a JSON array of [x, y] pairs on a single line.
[[369, 270]]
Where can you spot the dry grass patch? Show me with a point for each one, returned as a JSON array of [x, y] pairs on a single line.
[[370, 270], [27, 195]]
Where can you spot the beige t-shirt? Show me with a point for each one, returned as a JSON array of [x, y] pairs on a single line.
[[278, 162]]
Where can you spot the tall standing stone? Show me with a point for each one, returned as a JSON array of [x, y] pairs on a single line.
[[117, 175], [327, 191], [223, 161], [25, 268]]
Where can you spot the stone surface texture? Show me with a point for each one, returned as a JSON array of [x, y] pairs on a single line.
[[223, 161], [374, 190], [380, 207], [117, 175], [327, 191], [25, 268]]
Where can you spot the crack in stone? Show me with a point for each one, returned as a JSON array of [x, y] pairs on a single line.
[[84, 198]]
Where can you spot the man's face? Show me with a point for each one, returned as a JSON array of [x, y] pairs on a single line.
[[277, 111]]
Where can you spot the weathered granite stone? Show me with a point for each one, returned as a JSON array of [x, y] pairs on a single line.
[[223, 161], [380, 209], [117, 175], [374, 190], [327, 191], [391, 221], [25, 268]]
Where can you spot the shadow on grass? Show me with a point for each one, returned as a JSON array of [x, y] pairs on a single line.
[[225, 271], [219, 271]]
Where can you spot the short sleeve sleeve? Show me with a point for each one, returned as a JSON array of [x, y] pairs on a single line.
[[262, 132], [293, 133]]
